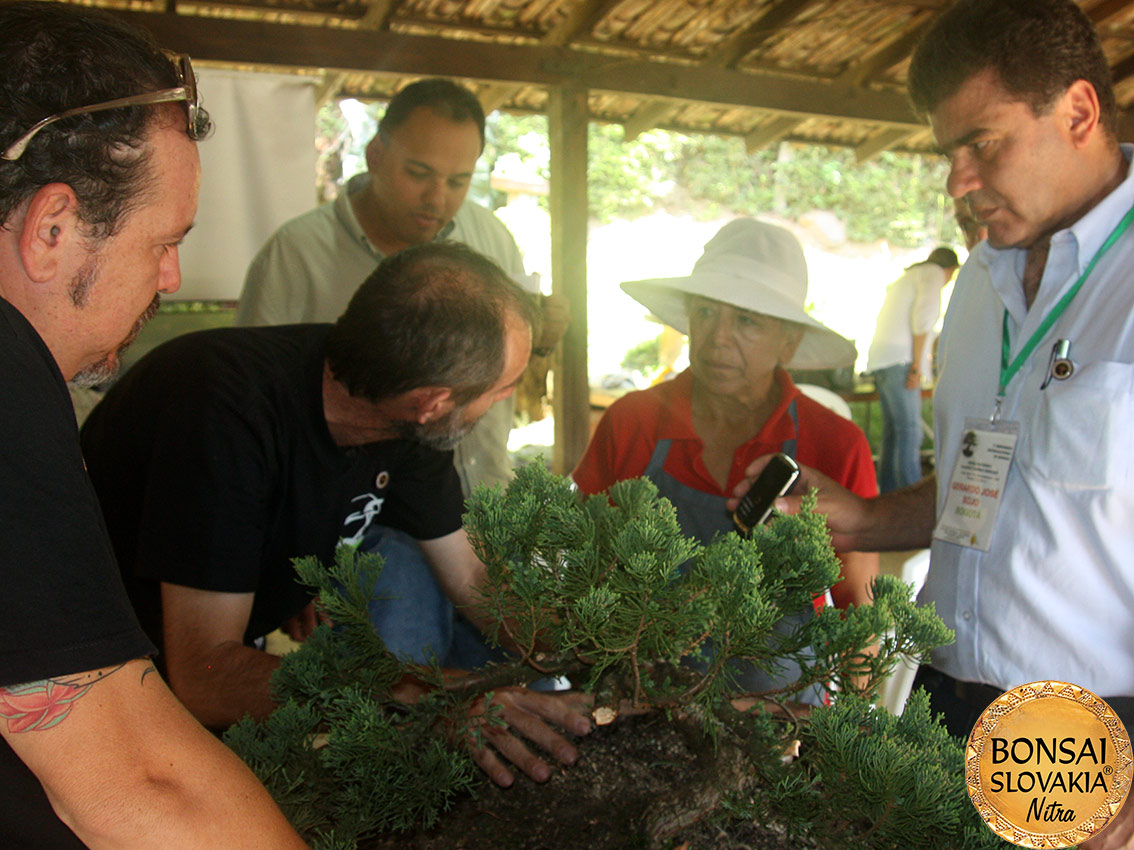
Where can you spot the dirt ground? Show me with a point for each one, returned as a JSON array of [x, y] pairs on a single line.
[[609, 800]]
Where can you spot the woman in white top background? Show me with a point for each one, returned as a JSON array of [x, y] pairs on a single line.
[[899, 356]]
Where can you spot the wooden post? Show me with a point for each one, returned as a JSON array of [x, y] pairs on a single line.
[[567, 115]]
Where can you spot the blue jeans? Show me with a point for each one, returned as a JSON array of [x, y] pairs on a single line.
[[900, 462], [410, 611], [414, 617]]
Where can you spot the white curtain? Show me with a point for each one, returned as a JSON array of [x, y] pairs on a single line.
[[257, 171]]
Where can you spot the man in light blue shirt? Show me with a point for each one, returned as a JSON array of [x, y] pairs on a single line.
[[1031, 136]]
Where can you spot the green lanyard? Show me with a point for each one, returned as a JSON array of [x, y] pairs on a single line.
[[1008, 371]]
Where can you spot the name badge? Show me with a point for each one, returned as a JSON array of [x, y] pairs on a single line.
[[977, 484]]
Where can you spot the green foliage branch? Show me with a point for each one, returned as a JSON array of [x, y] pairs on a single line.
[[343, 756], [611, 588], [608, 592], [891, 782]]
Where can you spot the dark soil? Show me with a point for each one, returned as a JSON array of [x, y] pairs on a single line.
[[630, 777]]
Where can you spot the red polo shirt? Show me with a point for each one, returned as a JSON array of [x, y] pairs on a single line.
[[631, 428]]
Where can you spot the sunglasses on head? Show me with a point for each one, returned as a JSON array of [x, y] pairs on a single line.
[[187, 92]]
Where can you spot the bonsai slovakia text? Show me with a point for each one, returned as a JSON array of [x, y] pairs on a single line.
[[1042, 766]]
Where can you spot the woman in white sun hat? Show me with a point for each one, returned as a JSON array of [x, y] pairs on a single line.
[[694, 436]]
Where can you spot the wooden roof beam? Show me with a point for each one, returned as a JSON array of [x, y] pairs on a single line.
[[331, 85], [378, 14], [580, 19], [770, 131], [725, 55], [1107, 8], [1122, 69], [880, 140], [778, 15], [496, 95], [883, 58], [646, 117], [293, 45]]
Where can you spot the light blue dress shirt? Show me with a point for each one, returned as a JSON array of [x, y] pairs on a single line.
[[1053, 598]]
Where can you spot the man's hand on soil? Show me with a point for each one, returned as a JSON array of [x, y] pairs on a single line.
[[528, 713]]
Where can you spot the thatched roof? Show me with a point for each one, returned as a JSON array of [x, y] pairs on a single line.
[[827, 71]]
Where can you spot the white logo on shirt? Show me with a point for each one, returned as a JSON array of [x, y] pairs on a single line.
[[366, 516]]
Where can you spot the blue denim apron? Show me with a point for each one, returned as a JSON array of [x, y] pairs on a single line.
[[703, 516]]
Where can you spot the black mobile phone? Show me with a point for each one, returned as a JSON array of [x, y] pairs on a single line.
[[773, 482]]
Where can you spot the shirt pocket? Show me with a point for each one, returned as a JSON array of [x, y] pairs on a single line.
[[1080, 436]]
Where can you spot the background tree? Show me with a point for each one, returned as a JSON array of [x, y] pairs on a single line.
[[898, 197]]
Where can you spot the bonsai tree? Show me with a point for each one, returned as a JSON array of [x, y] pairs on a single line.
[[608, 593]]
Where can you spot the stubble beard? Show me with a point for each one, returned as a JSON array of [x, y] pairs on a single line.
[[105, 370], [442, 434]]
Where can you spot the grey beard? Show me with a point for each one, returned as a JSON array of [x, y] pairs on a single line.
[[441, 435], [104, 371], [97, 374]]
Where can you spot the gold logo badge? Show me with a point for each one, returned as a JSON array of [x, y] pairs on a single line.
[[1048, 764]]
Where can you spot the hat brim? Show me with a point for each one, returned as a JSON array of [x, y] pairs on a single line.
[[820, 348]]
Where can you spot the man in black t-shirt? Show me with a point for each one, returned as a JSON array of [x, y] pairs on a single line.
[[215, 467], [224, 454], [94, 198]]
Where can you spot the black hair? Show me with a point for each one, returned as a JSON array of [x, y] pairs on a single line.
[[1037, 49], [433, 315], [943, 256], [446, 98], [58, 56]]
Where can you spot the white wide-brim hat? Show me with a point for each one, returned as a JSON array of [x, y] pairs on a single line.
[[755, 266]]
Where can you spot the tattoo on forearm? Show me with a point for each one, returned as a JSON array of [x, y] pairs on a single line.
[[36, 706]]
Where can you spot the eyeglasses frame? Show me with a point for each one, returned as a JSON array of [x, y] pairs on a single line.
[[186, 92]]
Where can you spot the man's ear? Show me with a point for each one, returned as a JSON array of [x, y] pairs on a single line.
[[375, 150], [1081, 107], [50, 226], [430, 403]]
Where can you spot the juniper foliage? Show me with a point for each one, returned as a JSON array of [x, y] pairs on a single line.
[[341, 755], [609, 593], [891, 782], [611, 587]]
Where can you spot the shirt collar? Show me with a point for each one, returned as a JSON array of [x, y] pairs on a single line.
[[344, 211], [676, 420]]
